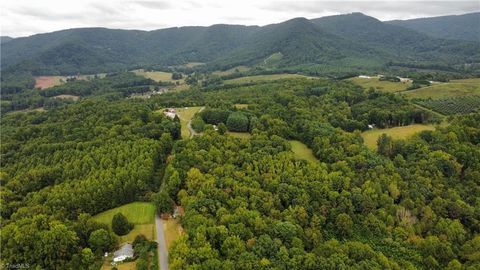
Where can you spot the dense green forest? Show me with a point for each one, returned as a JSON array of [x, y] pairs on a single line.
[[60, 166], [249, 203], [337, 46]]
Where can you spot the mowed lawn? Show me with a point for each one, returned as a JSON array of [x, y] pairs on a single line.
[[185, 115], [259, 78], [370, 137], [172, 230], [141, 214], [454, 88], [384, 86], [301, 151]]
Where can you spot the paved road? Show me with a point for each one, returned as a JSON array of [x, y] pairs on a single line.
[[162, 246], [189, 125]]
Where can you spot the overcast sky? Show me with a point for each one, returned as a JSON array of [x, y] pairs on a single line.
[[27, 17]]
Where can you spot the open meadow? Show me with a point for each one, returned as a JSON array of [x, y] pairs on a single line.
[[260, 78], [454, 88], [384, 86], [370, 137]]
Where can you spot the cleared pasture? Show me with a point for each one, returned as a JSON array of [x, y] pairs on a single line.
[[384, 86], [454, 88], [370, 137], [260, 78]]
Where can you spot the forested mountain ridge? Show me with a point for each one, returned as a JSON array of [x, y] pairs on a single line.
[[345, 42], [458, 27]]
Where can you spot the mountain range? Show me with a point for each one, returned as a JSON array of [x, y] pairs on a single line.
[[350, 42]]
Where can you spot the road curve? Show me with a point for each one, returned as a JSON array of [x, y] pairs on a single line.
[[162, 245]]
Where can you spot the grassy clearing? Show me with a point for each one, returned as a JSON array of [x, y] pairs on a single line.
[[370, 136], [141, 214], [384, 86], [454, 88], [185, 115], [157, 75], [72, 97], [301, 151], [44, 82], [241, 135], [231, 71], [172, 230], [193, 64], [240, 106], [259, 78]]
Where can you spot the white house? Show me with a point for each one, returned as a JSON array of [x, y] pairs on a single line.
[[364, 77], [123, 253]]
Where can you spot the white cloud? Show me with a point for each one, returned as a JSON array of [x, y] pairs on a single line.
[[27, 17]]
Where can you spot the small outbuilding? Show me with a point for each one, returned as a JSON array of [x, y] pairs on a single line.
[[125, 252]]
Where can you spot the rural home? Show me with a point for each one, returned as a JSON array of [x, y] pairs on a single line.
[[123, 253], [170, 112]]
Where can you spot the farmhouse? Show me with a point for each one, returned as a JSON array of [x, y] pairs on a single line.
[[123, 253], [364, 77], [170, 112]]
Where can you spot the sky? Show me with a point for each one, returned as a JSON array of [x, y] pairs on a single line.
[[27, 17]]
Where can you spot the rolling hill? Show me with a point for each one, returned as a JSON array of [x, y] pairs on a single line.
[[344, 42], [458, 27]]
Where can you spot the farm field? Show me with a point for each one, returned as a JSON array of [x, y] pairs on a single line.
[[44, 82], [185, 115], [172, 230], [258, 78], [453, 88], [156, 75], [385, 86], [370, 136], [301, 151], [141, 214], [453, 105]]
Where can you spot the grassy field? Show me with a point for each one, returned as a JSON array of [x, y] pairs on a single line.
[[454, 88], [193, 64], [43, 82], [384, 86], [185, 115], [241, 135], [141, 214], [172, 230], [123, 266], [231, 71], [301, 151], [156, 75], [259, 78], [370, 136], [72, 97]]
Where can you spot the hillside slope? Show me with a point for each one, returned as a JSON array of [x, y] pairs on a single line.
[[458, 27]]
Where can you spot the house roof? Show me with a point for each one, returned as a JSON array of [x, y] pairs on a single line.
[[126, 250]]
